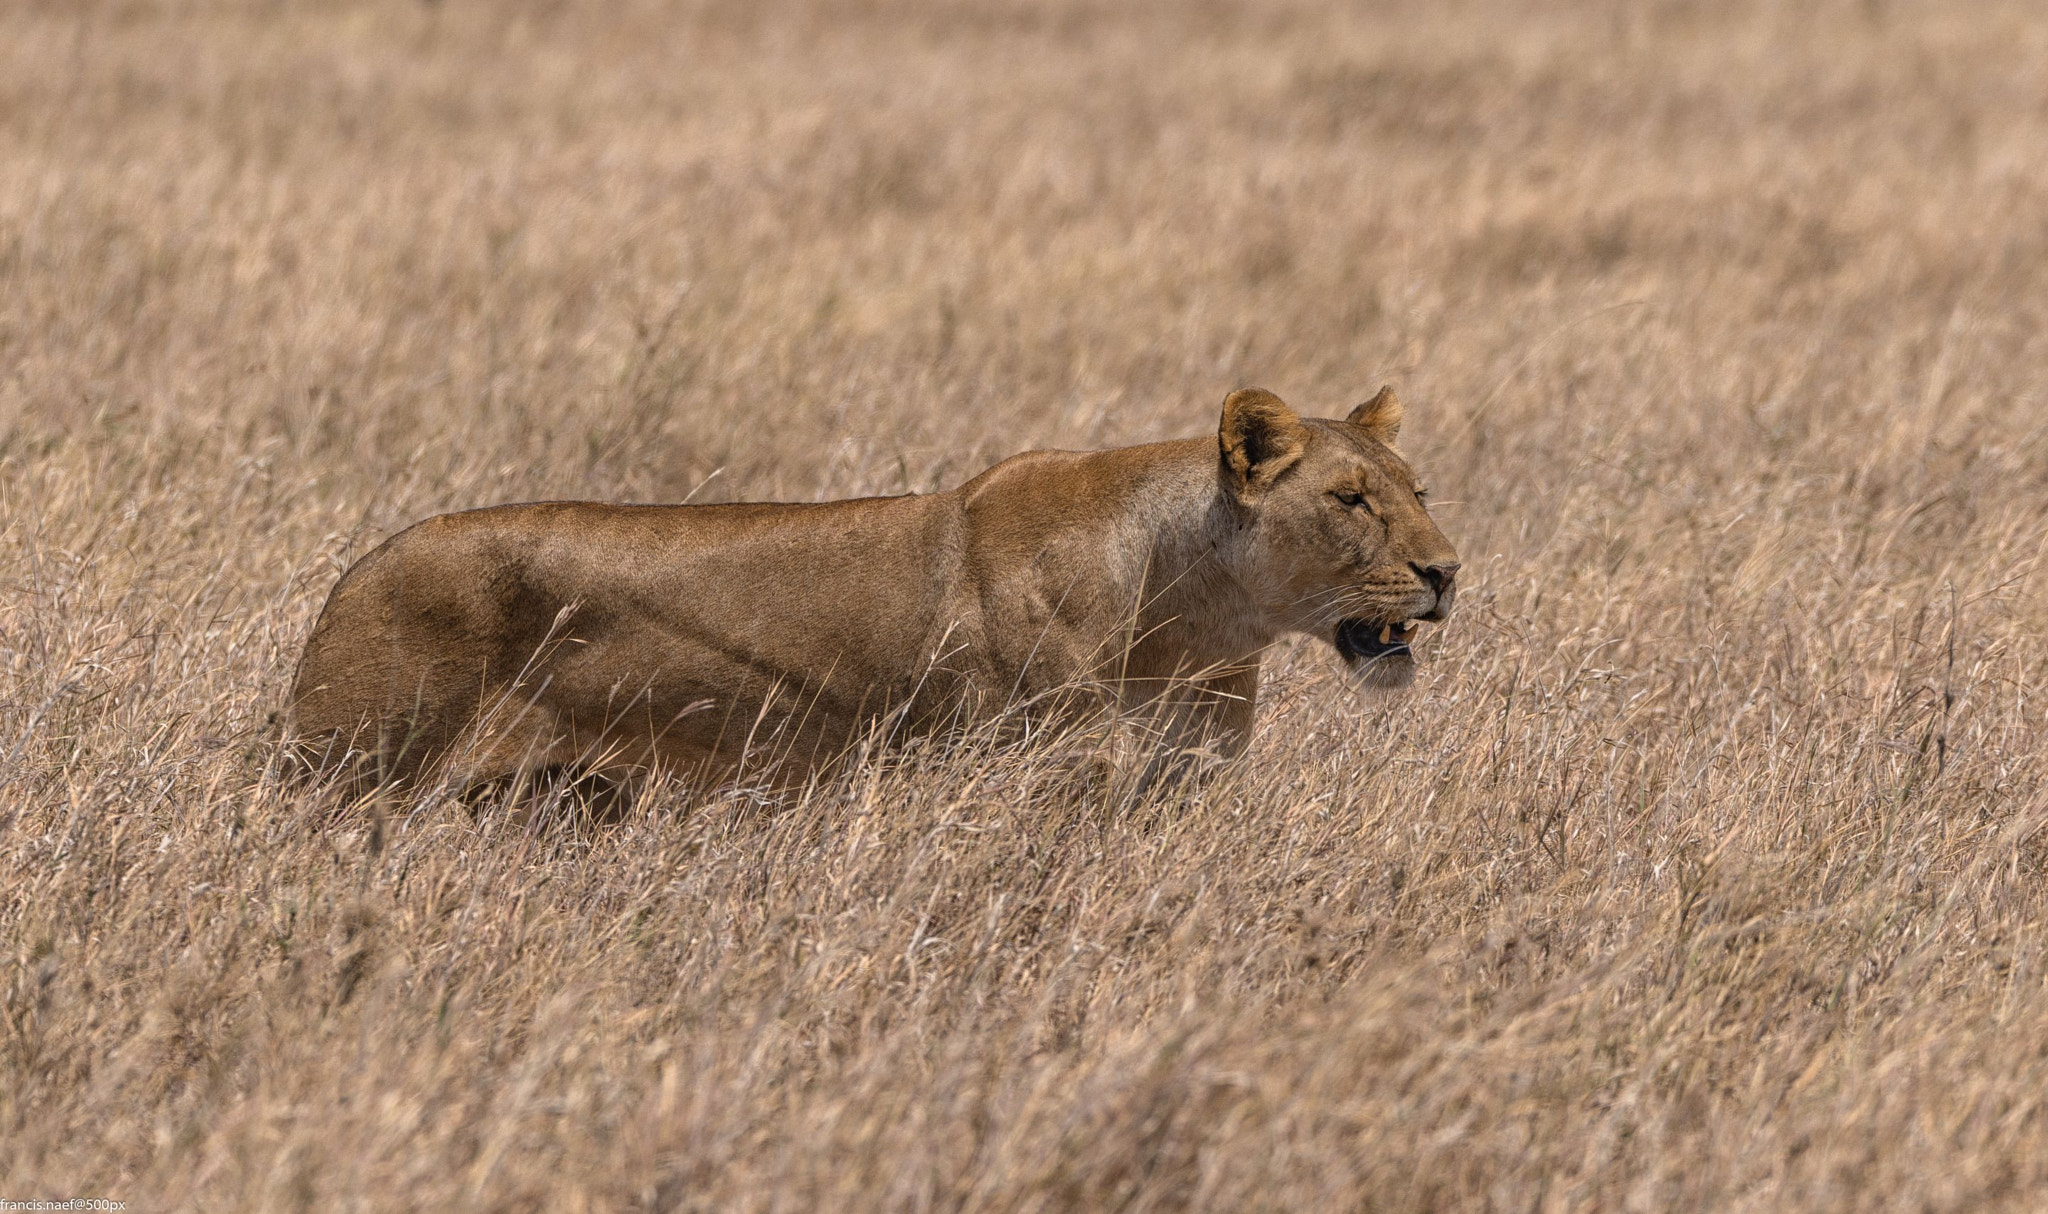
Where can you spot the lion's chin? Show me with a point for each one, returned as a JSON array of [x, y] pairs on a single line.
[[1382, 676], [1377, 655]]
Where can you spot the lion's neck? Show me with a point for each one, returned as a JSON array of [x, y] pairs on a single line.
[[1194, 611]]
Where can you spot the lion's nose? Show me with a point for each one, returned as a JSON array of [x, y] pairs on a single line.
[[1439, 576]]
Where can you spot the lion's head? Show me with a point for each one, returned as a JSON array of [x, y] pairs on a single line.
[[1342, 546]]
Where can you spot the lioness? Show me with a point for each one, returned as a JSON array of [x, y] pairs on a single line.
[[504, 640]]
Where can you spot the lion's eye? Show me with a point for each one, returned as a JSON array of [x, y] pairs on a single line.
[[1422, 493], [1348, 497]]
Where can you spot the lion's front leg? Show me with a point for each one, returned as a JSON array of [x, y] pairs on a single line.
[[1195, 727]]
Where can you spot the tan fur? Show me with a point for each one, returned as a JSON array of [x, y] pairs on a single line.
[[683, 637]]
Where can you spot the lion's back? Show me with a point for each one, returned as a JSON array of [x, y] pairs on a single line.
[[674, 603]]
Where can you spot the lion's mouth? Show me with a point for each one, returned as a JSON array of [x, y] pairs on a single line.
[[1365, 641]]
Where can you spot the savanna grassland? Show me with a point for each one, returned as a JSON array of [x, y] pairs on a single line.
[[1704, 867]]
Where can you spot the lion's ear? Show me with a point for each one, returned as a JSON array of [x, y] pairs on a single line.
[[1381, 416], [1260, 438]]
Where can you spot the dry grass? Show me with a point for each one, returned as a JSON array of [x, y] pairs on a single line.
[[1705, 867]]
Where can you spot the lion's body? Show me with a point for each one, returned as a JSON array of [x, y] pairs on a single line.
[[684, 634], [684, 637]]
